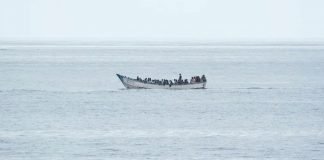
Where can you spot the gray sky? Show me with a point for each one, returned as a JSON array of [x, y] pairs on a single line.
[[162, 19]]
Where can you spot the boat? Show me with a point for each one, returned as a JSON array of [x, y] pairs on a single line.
[[131, 83]]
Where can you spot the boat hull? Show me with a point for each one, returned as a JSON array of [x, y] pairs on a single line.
[[130, 83]]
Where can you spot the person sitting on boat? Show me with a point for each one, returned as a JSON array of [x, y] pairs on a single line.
[[166, 82], [186, 81], [197, 79], [192, 80]]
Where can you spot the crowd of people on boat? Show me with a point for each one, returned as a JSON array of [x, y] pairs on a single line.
[[179, 81]]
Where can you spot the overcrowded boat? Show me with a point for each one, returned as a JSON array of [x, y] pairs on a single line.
[[196, 82]]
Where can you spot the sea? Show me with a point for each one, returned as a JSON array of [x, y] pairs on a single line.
[[63, 101]]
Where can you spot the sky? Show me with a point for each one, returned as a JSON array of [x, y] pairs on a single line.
[[219, 20]]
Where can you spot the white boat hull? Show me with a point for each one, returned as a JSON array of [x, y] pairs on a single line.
[[130, 83]]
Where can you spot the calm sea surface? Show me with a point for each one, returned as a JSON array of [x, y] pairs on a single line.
[[65, 102]]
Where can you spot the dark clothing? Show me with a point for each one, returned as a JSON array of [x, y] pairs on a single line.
[[180, 78], [203, 78]]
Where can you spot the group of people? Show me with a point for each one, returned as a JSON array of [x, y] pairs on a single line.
[[195, 79], [198, 79]]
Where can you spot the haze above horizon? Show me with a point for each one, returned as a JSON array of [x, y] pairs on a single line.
[[162, 20]]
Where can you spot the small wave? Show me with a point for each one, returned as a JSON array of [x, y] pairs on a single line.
[[22, 90], [254, 88], [218, 149], [315, 150], [259, 88], [56, 91]]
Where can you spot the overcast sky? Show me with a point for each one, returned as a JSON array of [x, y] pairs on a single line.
[[162, 19]]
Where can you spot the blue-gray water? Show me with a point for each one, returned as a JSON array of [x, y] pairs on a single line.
[[65, 102]]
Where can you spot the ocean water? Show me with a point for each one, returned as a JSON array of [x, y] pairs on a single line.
[[64, 101]]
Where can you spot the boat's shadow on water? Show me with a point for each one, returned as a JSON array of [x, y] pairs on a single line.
[[197, 89], [147, 89]]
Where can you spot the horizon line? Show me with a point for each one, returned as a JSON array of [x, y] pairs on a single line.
[[160, 43]]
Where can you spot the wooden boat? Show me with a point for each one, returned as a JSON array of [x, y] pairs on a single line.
[[131, 83]]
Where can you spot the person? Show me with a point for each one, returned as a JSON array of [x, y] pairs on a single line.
[[203, 78], [180, 78], [192, 80], [197, 79]]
